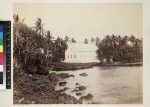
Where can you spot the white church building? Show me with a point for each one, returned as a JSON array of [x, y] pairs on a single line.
[[81, 53]]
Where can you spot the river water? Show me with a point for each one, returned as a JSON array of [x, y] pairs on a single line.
[[108, 85]]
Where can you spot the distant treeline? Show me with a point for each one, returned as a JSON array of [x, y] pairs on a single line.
[[120, 49]]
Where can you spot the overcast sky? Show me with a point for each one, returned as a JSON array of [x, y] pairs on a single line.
[[84, 20]]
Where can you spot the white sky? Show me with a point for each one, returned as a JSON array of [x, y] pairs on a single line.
[[84, 20]]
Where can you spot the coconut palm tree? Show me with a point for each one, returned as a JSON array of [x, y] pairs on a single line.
[[49, 48], [73, 40], [49, 36], [97, 40], [39, 26], [66, 39], [92, 40], [17, 18]]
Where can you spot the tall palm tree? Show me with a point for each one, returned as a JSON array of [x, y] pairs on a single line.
[[67, 39], [97, 40], [132, 39], [49, 48], [39, 26], [49, 36], [17, 18], [73, 40], [17, 36], [92, 40]]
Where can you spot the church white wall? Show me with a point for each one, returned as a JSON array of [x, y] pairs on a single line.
[[80, 56]]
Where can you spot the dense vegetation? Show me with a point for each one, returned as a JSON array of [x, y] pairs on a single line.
[[34, 49], [120, 49], [33, 46]]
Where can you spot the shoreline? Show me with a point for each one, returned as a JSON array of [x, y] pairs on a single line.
[[62, 66], [39, 89], [128, 64]]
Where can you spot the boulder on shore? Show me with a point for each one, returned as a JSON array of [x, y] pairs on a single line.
[[75, 90], [78, 93], [65, 75], [83, 74], [62, 90], [82, 88], [87, 97]]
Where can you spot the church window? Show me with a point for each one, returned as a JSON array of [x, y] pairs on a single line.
[[68, 56], [71, 56]]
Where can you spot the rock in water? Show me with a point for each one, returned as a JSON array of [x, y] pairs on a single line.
[[77, 83], [87, 97], [83, 74], [65, 75], [78, 93], [75, 90], [82, 87]]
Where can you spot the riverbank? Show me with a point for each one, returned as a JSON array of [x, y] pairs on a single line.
[[62, 66], [39, 89]]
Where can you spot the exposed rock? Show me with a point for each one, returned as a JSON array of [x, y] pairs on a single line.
[[82, 87], [39, 89], [75, 90], [62, 83], [77, 83], [72, 76], [83, 74], [62, 90], [65, 75], [78, 93], [87, 97]]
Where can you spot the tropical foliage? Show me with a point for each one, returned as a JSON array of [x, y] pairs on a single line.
[[120, 49], [33, 47]]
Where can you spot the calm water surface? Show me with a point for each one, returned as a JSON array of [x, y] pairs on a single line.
[[107, 84]]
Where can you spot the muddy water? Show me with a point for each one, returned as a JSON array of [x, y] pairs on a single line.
[[108, 85]]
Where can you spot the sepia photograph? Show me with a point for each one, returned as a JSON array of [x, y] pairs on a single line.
[[77, 53]]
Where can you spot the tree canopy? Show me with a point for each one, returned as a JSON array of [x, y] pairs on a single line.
[[120, 49]]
